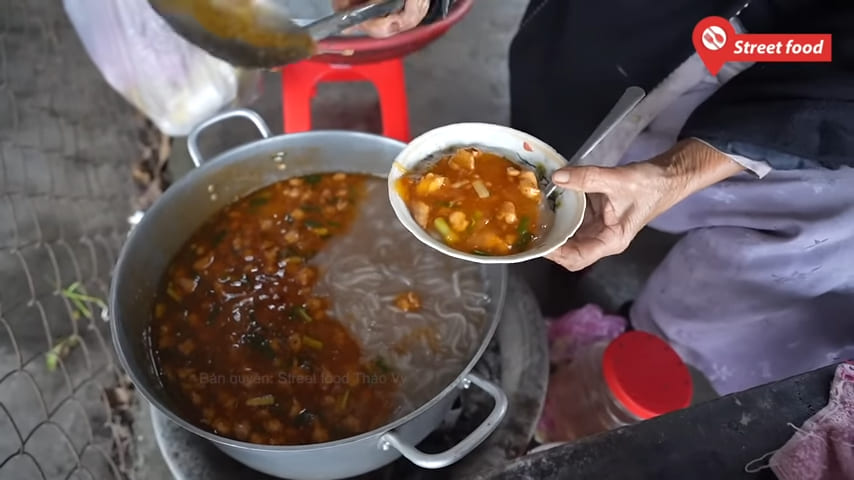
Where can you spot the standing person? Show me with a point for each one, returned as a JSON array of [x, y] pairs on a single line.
[[752, 166]]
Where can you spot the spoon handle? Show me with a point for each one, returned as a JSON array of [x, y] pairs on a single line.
[[339, 21], [631, 97], [445, 6]]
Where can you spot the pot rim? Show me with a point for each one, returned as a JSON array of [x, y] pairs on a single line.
[[235, 155]]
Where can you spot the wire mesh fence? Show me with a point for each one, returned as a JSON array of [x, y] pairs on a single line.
[[65, 145]]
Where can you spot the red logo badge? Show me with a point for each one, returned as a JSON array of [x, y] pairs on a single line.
[[717, 43]]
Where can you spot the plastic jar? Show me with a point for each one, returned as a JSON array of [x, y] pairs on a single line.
[[635, 377]]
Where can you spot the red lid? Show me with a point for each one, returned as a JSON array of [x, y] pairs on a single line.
[[646, 375]]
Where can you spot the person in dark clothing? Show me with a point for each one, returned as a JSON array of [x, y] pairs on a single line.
[[752, 166]]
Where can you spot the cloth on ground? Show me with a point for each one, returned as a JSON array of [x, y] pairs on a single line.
[[823, 448], [567, 335], [579, 328]]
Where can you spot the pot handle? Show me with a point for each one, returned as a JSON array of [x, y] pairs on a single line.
[[458, 451], [193, 138]]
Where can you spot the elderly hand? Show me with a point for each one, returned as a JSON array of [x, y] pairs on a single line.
[[413, 12], [622, 200]]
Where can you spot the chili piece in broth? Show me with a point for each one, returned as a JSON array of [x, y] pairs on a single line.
[[476, 202], [240, 341]]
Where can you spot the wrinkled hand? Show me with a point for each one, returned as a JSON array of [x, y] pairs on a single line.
[[413, 12], [622, 200]]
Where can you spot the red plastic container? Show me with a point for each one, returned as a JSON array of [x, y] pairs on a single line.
[[609, 385]]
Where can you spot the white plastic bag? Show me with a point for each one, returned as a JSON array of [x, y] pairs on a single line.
[[174, 83]]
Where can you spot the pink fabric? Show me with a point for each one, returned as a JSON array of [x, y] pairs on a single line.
[[823, 449], [581, 327], [572, 331]]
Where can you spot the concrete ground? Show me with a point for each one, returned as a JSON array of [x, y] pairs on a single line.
[[66, 143]]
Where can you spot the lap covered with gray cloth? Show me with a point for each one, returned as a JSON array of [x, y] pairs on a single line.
[[761, 285]]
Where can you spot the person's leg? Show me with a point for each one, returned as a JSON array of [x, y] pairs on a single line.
[[761, 286]]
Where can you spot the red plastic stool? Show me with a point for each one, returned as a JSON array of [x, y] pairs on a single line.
[[299, 86]]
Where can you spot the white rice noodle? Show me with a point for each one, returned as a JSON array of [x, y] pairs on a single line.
[[363, 272]]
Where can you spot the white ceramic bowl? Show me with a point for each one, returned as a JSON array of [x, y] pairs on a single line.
[[570, 204]]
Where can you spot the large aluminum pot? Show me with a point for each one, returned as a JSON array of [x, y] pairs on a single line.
[[186, 205]]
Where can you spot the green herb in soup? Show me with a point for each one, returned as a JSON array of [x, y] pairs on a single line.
[[240, 340]]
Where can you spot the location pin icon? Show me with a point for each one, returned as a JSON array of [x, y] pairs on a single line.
[[713, 39]]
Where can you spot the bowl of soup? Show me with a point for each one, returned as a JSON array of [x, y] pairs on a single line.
[[477, 192]]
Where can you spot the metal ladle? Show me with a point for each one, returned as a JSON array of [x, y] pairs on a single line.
[[259, 33]]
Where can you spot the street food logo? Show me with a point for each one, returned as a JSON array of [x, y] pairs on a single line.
[[717, 43]]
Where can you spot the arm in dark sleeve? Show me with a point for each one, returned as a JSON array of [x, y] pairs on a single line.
[[782, 113]]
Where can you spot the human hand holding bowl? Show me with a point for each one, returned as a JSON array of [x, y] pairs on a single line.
[[622, 200], [475, 191]]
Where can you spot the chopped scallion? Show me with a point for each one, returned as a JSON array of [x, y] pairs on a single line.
[[302, 314], [173, 294], [523, 226], [262, 401], [525, 236], [312, 342], [258, 201], [218, 237], [381, 364], [442, 226], [313, 179]]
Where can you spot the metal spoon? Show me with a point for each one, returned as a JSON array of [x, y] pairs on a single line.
[[259, 33], [445, 7], [631, 97]]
